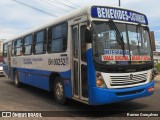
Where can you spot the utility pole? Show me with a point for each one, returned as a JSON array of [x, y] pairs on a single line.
[[119, 3]]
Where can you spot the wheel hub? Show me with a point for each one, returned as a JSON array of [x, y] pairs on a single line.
[[59, 90]]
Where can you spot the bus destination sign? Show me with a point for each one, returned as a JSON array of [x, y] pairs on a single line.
[[118, 14]]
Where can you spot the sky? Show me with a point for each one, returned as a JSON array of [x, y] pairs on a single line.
[[17, 18]]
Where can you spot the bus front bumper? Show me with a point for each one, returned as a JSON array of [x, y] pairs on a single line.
[[100, 96]]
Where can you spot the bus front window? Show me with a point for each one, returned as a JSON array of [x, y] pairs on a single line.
[[107, 50]]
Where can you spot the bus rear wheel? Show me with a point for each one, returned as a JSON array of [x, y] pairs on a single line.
[[59, 93], [16, 80]]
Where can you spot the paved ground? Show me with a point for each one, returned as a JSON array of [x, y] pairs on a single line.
[[29, 98]]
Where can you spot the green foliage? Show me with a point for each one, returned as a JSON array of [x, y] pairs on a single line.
[[158, 67]]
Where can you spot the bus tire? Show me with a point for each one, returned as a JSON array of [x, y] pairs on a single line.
[[16, 80], [59, 91]]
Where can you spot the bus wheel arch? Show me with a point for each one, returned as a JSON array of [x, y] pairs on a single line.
[[52, 78]]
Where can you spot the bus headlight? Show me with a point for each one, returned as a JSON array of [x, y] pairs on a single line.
[[99, 80], [151, 76]]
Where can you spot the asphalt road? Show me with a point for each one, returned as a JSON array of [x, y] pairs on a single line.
[[29, 98]]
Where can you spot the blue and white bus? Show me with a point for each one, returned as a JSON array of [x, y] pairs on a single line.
[[96, 55]]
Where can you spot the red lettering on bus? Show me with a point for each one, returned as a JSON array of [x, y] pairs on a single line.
[[108, 58], [121, 58], [141, 58]]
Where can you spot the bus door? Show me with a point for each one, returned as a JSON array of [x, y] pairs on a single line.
[[79, 70], [9, 60]]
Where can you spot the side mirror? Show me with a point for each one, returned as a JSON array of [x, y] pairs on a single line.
[[88, 36]]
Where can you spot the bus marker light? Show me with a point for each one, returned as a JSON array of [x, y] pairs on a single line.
[[151, 89]]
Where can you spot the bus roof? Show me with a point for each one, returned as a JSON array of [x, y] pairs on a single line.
[[90, 10]]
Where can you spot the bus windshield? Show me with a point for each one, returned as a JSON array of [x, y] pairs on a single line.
[[133, 46]]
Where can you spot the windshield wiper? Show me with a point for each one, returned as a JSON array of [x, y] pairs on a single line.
[[114, 27], [120, 39]]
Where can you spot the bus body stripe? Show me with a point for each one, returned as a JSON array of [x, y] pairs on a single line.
[[40, 78]]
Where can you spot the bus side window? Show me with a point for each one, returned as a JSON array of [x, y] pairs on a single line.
[[5, 47], [40, 42], [83, 43], [18, 47], [28, 42], [13, 50], [57, 38]]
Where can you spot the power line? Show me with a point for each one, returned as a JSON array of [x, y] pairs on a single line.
[[46, 8], [57, 2], [72, 3], [53, 5], [37, 9], [37, 5]]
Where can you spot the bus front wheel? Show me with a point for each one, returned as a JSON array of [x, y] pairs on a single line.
[[16, 80], [59, 93]]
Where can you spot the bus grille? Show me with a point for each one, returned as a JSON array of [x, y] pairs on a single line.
[[128, 79]]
